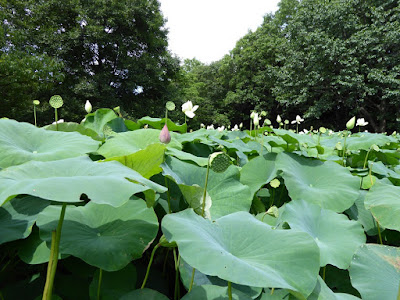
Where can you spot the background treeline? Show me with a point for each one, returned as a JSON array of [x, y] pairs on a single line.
[[324, 60]]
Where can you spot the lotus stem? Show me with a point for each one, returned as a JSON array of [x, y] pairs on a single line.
[[323, 273], [34, 113], [99, 284], [192, 280], [56, 118], [149, 265], [379, 233], [176, 291], [54, 251], [230, 290], [205, 189], [344, 148]]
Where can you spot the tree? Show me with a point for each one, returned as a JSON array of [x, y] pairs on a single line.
[[342, 58], [113, 52]]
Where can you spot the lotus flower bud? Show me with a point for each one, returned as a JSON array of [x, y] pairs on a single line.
[[88, 107], [278, 119], [165, 136], [350, 124]]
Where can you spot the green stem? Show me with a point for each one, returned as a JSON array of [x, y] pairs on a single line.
[[176, 291], [379, 232], [272, 291], [205, 188], [52, 265], [192, 280], [230, 290], [1, 296], [34, 113], [56, 119], [344, 148], [272, 198], [168, 195], [149, 265], [323, 273], [99, 284], [398, 294]]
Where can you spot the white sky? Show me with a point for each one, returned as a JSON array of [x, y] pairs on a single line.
[[209, 29]]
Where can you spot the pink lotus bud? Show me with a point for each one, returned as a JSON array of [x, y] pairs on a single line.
[[165, 136]]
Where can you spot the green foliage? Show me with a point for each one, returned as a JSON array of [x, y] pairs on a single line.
[[276, 218], [110, 53]]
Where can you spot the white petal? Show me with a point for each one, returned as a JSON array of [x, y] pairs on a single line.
[[190, 114], [194, 108]]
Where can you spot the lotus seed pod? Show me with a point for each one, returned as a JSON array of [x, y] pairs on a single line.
[[36, 102], [165, 136], [219, 162], [322, 129], [350, 124], [170, 105], [56, 101]]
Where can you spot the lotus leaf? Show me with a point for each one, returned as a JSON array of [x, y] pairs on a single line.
[[101, 235], [243, 250]]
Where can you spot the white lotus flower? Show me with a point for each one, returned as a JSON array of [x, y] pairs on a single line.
[[88, 106], [361, 122], [189, 109], [210, 127], [256, 119], [59, 121], [235, 128], [220, 129], [298, 120]]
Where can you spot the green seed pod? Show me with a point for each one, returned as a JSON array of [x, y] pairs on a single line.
[[36, 102], [219, 162], [170, 105], [56, 101]]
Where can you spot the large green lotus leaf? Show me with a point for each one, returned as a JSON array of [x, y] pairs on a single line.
[[126, 143], [383, 202], [113, 284], [227, 194], [243, 250], [336, 236], [158, 123], [74, 127], [98, 119], [23, 142], [238, 145], [146, 162], [364, 140], [212, 292], [375, 272], [258, 171], [277, 295], [379, 168], [66, 180], [327, 184], [293, 138], [185, 271], [201, 161], [200, 135], [101, 235], [34, 251], [323, 292], [18, 216], [359, 213], [144, 294], [194, 197]]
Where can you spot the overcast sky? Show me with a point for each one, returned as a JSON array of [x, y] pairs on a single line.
[[209, 29]]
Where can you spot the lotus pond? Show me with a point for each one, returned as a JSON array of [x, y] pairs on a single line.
[[104, 210]]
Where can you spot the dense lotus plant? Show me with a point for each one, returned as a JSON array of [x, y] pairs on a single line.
[[201, 215]]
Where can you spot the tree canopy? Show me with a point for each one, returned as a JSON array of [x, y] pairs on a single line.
[[112, 53]]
